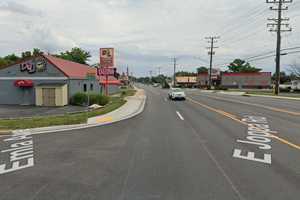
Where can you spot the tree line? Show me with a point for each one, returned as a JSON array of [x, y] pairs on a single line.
[[75, 54]]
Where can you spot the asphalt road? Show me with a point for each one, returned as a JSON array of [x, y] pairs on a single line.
[[174, 150]]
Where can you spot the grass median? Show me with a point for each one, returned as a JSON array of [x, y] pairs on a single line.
[[68, 119]]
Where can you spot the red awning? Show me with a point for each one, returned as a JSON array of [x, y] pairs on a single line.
[[23, 83]]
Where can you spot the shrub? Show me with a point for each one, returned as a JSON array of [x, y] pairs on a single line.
[[102, 100], [93, 99], [79, 99], [288, 89], [220, 87]]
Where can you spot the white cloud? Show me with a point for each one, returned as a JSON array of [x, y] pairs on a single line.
[[145, 33]]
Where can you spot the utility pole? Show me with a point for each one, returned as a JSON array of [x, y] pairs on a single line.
[[174, 75], [127, 74], [150, 72], [212, 40], [276, 26]]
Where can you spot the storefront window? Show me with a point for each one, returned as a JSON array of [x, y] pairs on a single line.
[[84, 88]]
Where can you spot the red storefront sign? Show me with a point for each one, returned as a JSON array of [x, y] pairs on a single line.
[[104, 71], [23, 83]]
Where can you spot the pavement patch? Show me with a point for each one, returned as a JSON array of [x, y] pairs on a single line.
[[259, 135], [19, 153]]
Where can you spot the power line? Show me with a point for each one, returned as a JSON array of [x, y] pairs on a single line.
[[269, 56], [266, 55], [271, 52], [250, 20]]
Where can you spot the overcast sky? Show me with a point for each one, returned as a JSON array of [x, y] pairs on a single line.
[[147, 33]]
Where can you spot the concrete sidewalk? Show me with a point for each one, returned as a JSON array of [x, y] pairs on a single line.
[[134, 106]]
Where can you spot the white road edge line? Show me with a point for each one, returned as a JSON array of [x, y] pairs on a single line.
[[179, 115]]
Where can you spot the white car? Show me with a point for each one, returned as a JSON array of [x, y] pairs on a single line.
[[295, 85], [176, 93]]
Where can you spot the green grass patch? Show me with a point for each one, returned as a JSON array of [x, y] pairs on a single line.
[[67, 119], [128, 92]]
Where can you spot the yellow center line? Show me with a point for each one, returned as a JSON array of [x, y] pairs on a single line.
[[235, 118], [257, 105]]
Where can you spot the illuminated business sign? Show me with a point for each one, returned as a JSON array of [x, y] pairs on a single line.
[[107, 57]]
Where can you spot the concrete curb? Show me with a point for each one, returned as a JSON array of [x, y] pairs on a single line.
[[208, 91], [275, 97], [55, 129], [232, 93]]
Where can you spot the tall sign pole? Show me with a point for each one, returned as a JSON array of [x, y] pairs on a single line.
[[106, 63]]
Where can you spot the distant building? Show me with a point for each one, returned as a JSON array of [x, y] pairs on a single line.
[[46, 80], [124, 79], [246, 80], [186, 81], [203, 79]]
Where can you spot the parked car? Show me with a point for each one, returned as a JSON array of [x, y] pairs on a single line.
[[155, 84], [285, 87], [295, 85], [176, 93]]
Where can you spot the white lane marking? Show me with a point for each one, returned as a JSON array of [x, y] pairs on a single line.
[[259, 135], [179, 115], [20, 153]]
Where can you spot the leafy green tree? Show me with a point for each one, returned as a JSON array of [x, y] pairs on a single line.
[[284, 77], [239, 65], [202, 70], [7, 60], [76, 55], [158, 79], [26, 54], [11, 58], [295, 70], [184, 73], [36, 52], [3, 62]]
